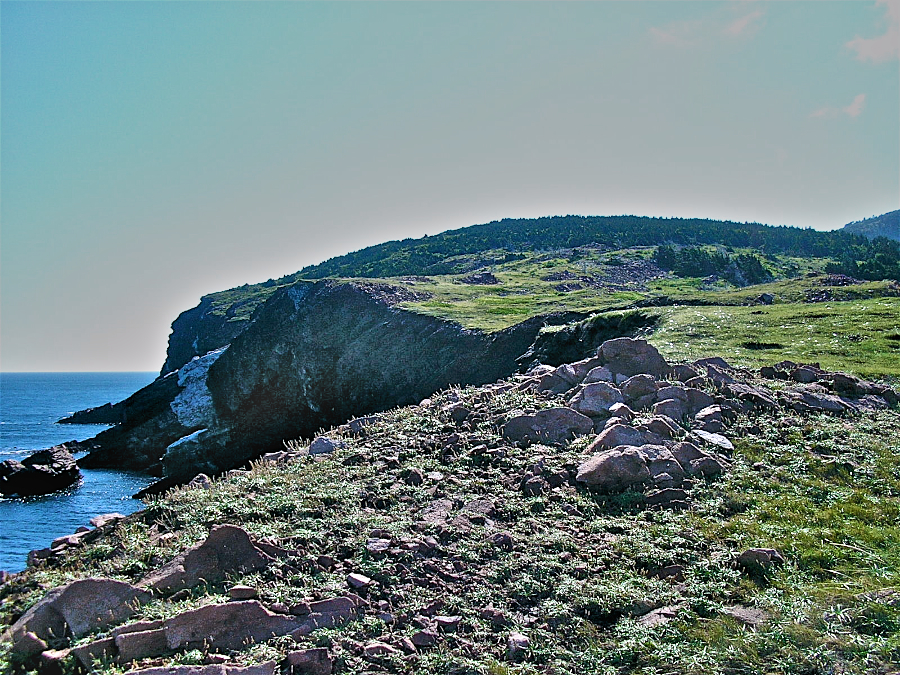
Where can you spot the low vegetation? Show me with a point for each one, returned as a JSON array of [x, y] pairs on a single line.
[[597, 583], [581, 572]]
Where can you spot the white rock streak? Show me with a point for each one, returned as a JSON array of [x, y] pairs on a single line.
[[194, 405]]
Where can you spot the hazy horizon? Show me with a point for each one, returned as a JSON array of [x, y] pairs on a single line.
[[155, 152]]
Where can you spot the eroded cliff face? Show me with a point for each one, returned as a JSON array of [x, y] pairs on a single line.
[[314, 355], [200, 330]]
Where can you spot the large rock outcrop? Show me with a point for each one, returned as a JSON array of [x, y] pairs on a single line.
[[314, 355], [41, 473]]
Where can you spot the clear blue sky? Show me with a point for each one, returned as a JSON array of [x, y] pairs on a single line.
[[156, 151]]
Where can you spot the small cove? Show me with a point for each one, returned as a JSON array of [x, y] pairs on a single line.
[[30, 404]]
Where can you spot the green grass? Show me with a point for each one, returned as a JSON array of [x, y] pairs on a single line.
[[857, 336], [824, 490]]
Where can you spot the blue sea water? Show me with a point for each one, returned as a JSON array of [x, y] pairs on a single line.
[[30, 405]]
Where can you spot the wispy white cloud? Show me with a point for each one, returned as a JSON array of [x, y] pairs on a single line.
[[678, 33], [853, 110], [744, 25], [884, 47], [712, 28]]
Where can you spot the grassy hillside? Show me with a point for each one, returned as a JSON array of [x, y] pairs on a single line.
[[429, 255], [580, 574], [598, 583]]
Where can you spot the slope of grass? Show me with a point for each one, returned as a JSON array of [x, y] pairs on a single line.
[[824, 490], [857, 336]]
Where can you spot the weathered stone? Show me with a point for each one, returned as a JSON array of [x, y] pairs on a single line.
[[106, 519], [77, 608], [322, 445], [502, 540], [228, 548], [804, 374], [459, 413], [52, 661], [242, 592], [621, 411], [638, 387], [823, 402], [599, 374], [436, 512], [315, 661], [414, 476], [711, 412], [671, 407], [661, 425], [626, 356], [697, 400], [620, 434], [683, 372], [268, 668], [376, 546], [28, 644], [665, 497], [358, 425], [749, 616], [517, 646], [356, 580], [554, 425], [758, 396], [233, 625], [614, 470], [493, 616], [659, 616], [535, 486], [670, 572], [554, 383], [596, 399], [424, 638], [672, 392], [374, 649], [757, 560], [141, 644], [40, 473], [665, 464], [716, 440], [98, 650], [447, 624]]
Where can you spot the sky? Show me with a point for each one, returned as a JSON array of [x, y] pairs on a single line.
[[153, 152]]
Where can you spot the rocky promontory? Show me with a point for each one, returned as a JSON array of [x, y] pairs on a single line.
[[315, 354]]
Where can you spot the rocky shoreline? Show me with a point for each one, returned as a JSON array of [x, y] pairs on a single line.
[[638, 426]]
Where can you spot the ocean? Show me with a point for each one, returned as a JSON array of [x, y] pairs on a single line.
[[30, 404]]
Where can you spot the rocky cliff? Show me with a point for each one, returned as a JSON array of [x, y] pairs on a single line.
[[214, 323], [314, 354]]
